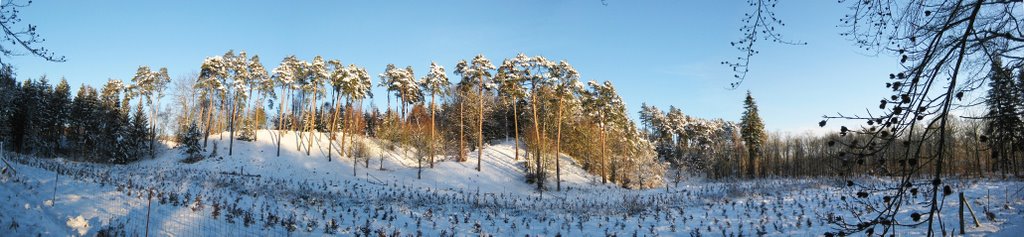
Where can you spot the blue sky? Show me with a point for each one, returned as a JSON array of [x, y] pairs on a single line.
[[659, 52]]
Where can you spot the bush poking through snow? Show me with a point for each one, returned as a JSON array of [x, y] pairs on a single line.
[[78, 224]]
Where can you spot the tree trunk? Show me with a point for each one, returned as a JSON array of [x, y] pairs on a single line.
[[312, 122], [334, 126], [153, 142], [462, 129], [231, 137], [480, 129], [209, 121], [604, 156], [536, 131], [433, 125], [515, 121], [280, 120], [558, 148]]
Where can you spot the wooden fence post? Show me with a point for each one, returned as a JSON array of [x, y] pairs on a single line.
[[964, 201], [961, 213], [148, 205]]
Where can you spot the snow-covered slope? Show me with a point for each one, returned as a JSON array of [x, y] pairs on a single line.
[[253, 192], [501, 172]]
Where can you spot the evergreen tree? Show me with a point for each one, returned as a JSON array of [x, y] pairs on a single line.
[[510, 79], [567, 90], [111, 132], [754, 134], [8, 94], [436, 82], [30, 118], [480, 70], [138, 135], [1004, 122], [83, 122], [190, 143], [284, 76], [59, 109]]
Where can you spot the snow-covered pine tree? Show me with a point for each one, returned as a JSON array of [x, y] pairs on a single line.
[[190, 144], [754, 134], [479, 70], [284, 77], [510, 79], [315, 77], [240, 76], [8, 92], [260, 81], [59, 109], [148, 86], [212, 87], [138, 135], [435, 82], [355, 84], [336, 78], [31, 117], [567, 90]]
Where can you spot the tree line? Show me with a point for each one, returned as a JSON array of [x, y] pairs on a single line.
[[97, 124], [540, 106]]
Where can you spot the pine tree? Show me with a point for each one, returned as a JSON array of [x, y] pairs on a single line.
[[60, 106], [190, 144], [754, 134], [82, 122], [284, 77], [32, 117], [138, 136], [479, 70], [436, 82], [567, 89], [113, 125], [510, 79], [1004, 122], [212, 87], [8, 92], [357, 85], [315, 78]]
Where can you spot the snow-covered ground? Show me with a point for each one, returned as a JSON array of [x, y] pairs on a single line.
[[253, 192]]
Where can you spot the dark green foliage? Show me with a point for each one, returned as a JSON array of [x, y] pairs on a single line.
[[754, 134], [190, 145], [39, 119], [1004, 126]]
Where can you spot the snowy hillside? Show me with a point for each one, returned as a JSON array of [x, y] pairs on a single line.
[[502, 173], [255, 193]]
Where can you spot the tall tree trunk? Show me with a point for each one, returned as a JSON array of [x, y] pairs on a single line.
[[433, 125], [604, 155], [334, 125], [209, 121], [480, 128], [312, 123], [536, 131], [515, 121], [345, 130], [152, 141], [558, 148], [297, 124], [359, 127], [462, 129], [231, 137], [280, 120]]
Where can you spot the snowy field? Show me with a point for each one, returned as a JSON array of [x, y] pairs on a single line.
[[255, 193]]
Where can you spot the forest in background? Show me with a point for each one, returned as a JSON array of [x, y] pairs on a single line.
[[540, 105]]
